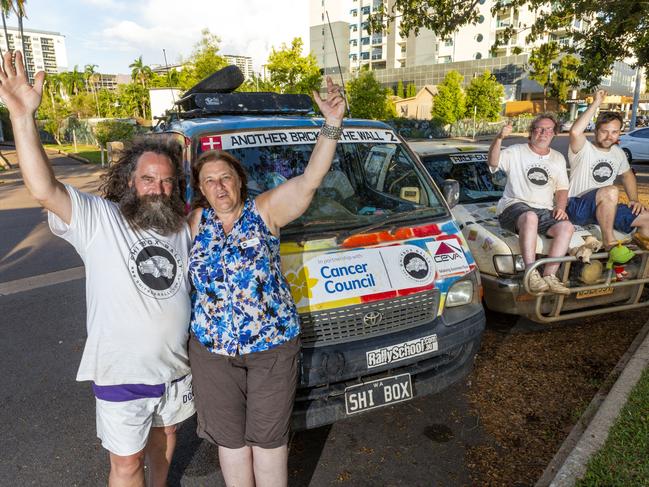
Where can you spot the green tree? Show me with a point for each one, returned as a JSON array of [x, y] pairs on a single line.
[[112, 131], [72, 82], [449, 103], [291, 72], [92, 78], [140, 71], [486, 95], [401, 93], [205, 58], [603, 32], [565, 78], [53, 116], [541, 59], [411, 90], [367, 98], [257, 84]]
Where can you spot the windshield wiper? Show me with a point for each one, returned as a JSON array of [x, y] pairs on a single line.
[[388, 219]]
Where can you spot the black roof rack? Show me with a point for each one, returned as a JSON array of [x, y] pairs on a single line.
[[214, 96]]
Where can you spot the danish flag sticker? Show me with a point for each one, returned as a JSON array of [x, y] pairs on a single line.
[[211, 143]]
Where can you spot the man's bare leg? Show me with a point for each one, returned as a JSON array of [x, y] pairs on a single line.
[[236, 466], [527, 225], [606, 200], [158, 454], [271, 466], [561, 234], [126, 471]]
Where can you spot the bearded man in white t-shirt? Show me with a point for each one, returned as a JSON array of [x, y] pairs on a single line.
[[535, 197], [134, 243], [594, 166]]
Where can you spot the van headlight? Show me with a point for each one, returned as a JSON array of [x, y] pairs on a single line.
[[460, 293], [509, 264]]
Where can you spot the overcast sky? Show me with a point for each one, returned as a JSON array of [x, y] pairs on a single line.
[[113, 33]]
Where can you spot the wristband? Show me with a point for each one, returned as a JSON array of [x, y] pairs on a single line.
[[331, 132]]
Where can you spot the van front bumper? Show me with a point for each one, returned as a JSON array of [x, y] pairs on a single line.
[[327, 371]]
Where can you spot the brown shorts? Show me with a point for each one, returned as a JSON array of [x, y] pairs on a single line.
[[244, 400]]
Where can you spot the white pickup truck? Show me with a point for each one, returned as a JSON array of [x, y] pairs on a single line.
[[497, 254]]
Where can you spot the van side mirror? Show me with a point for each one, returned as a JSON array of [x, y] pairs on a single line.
[[451, 191]]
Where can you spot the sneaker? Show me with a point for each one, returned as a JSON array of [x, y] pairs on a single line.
[[641, 241], [537, 283], [555, 285]]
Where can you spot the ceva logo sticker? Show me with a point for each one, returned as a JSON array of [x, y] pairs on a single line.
[[449, 257]]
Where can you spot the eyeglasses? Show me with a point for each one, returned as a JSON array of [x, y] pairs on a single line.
[[544, 130]]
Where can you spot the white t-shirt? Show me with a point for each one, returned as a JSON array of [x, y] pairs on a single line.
[[592, 168], [137, 295], [531, 178]]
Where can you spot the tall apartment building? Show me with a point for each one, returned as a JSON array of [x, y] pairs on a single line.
[[424, 59], [244, 63], [44, 50]]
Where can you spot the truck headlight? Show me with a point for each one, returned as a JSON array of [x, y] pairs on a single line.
[[509, 264], [460, 293]]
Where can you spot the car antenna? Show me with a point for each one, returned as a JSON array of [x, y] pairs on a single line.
[[342, 80]]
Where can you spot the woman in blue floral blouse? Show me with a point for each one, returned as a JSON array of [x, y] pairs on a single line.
[[245, 330]]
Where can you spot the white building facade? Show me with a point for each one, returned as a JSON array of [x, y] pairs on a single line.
[[44, 50], [406, 58], [244, 63]]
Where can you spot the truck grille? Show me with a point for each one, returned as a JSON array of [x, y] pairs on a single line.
[[333, 326]]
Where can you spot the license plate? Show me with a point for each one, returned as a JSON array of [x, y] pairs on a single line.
[[378, 393], [592, 293]]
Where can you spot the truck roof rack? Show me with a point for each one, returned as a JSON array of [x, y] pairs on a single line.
[[214, 96]]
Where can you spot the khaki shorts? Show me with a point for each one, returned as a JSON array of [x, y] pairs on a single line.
[[245, 400]]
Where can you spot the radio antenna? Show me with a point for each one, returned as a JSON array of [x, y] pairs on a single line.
[[342, 80]]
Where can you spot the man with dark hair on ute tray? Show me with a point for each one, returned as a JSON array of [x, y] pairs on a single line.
[[134, 243], [535, 197], [594, 166]]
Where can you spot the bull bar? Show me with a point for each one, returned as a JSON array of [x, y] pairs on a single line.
[[556, 315]]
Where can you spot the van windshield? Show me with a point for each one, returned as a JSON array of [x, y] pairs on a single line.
[[470, 170], [367, 183]]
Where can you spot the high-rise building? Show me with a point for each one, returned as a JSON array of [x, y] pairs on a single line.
[[424, 59], [244, 63], [43, 50]]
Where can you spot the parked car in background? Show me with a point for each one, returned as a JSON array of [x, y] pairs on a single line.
[[635, 144], [593, 289], [567, 125]]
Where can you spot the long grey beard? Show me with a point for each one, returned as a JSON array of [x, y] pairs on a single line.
[[159, 212]]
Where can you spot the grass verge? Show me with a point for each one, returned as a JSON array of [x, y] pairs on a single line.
[[90, 152], [623, 460]]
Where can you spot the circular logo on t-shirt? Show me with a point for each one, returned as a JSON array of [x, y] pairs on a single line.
[[414, 264], [156, 268], [538, 175], [602, 171]]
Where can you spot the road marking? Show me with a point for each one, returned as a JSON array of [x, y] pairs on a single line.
[[42, 280]]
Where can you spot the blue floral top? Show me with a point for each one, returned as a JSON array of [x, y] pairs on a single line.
[[241, 302]]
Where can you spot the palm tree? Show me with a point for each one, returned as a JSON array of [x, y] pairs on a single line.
[[19, 8], [140, 71], [91, 78], [5, 8]]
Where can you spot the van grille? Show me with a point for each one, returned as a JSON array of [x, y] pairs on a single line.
[[333, 326]]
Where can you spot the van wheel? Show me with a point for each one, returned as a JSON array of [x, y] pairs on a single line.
[[627, 152]]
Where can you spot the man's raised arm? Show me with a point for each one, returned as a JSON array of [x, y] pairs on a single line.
[[577, 137], [493, 157], [23, 100]]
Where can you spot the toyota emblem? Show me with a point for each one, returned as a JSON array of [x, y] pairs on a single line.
[[372, 318]]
